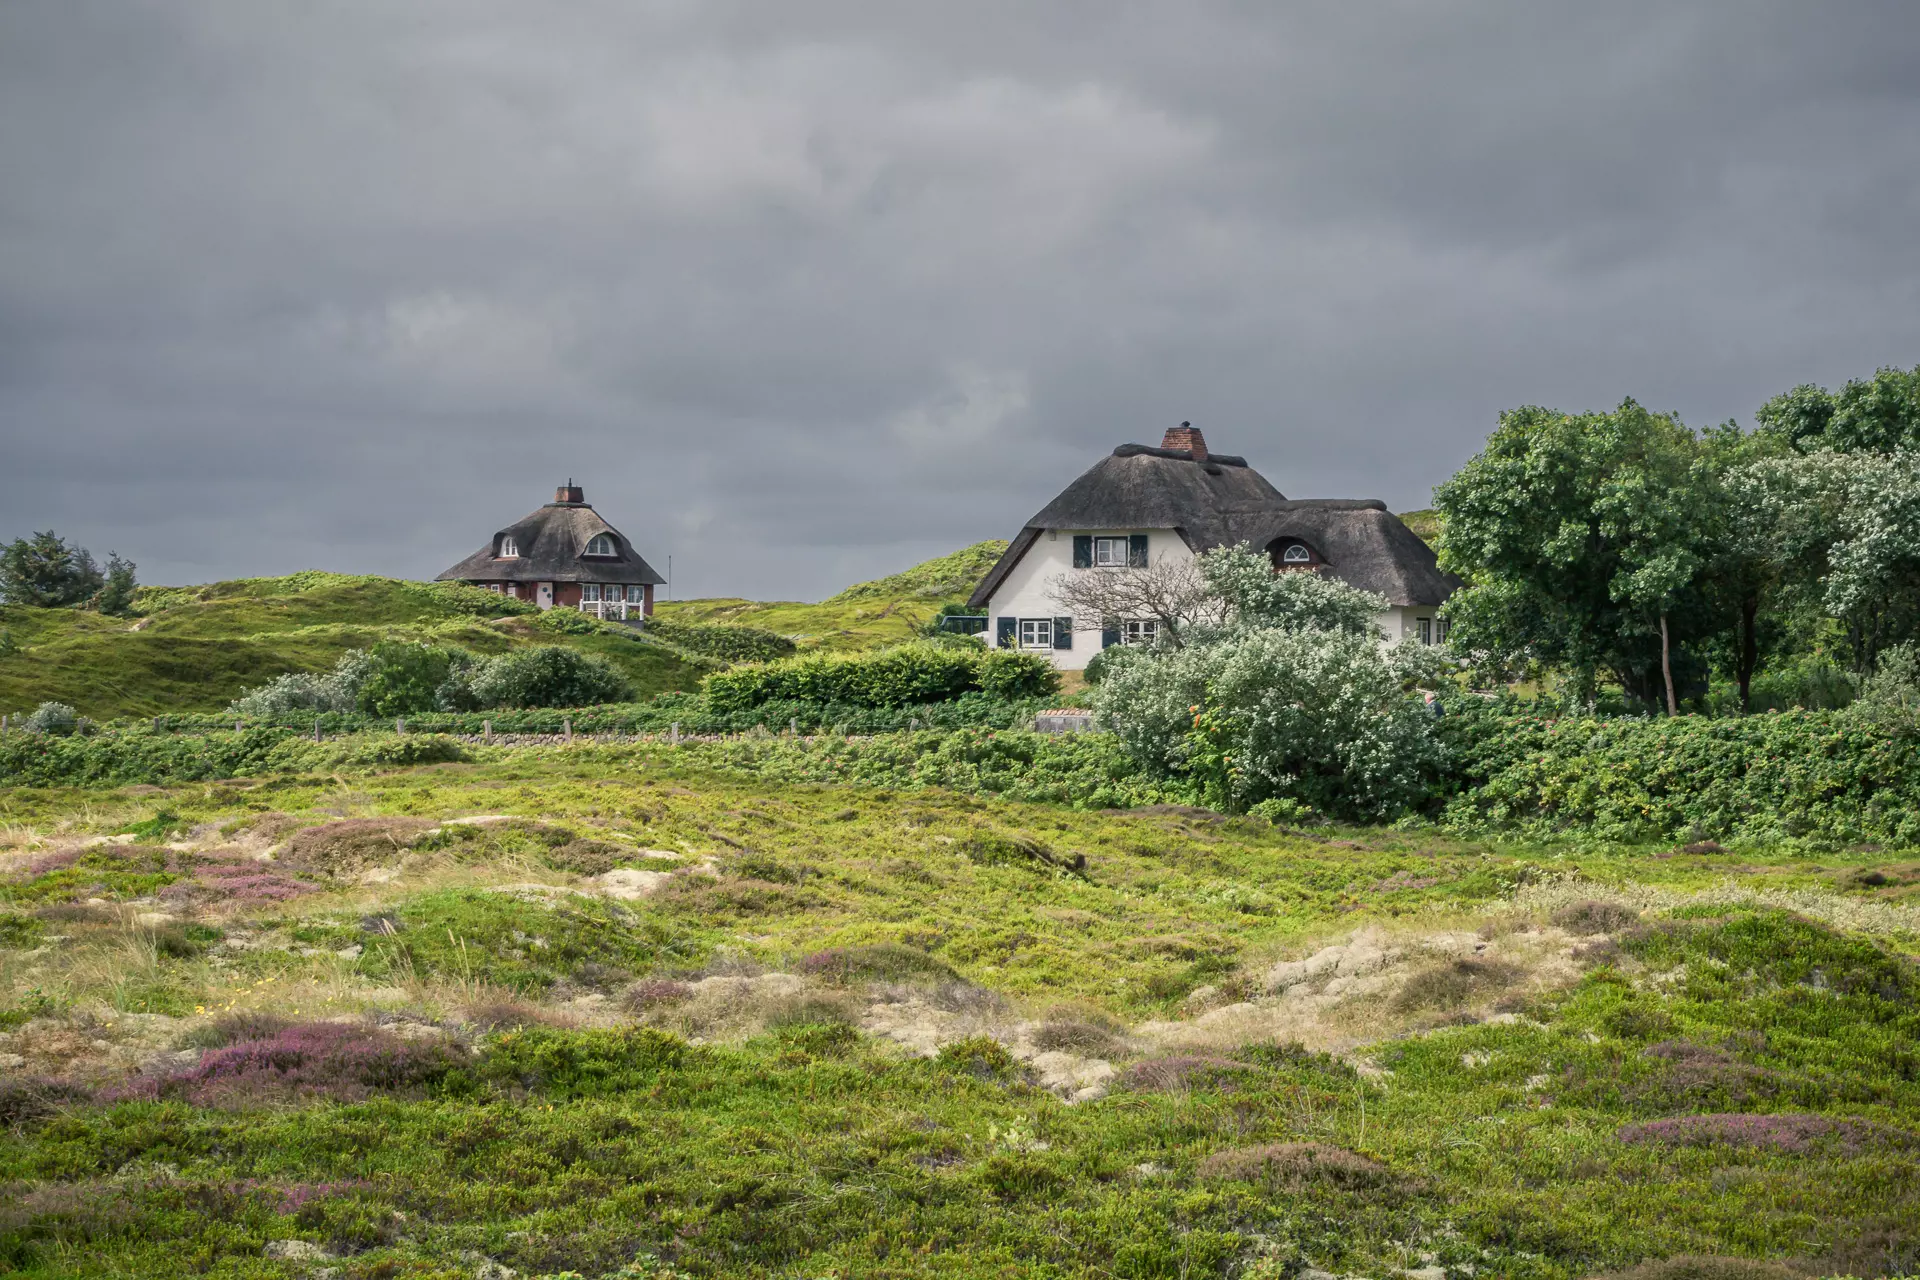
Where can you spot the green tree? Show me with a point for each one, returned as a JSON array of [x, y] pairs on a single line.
[[47, 572], [1869, 415], [1582, 538], [115, 598]]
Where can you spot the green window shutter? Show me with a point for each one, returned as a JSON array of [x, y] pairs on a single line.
[[1083, 551], [1137, 550], [1008, 632], [1109, 637], [1063, 633]]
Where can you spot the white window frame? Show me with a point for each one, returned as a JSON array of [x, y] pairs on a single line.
[[509, 549], [1439, 630], [601, 544], [589, 593], [1139, 631], [1035, 633], [1296, 553], [636, 595], [1423, 627], [1110, 553]]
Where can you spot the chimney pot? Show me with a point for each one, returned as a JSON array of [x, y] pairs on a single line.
[[1187, 438], [569, 492]]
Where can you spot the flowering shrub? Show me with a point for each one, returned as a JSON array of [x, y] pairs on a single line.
[[1315, 716], [1793, 1134], [346, 1061]]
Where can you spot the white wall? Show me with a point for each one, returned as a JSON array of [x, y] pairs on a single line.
[[1027, 591]]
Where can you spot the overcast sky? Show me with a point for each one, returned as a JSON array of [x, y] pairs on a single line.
[[802, 293]]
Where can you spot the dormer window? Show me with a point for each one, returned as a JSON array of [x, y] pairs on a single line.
[[600, 544], [509, 549], [1291, 553]]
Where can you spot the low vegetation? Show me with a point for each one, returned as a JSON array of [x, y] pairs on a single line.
[[886, 611], [574, 1010]]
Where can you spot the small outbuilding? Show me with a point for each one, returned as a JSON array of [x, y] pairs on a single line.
[[564, 556]]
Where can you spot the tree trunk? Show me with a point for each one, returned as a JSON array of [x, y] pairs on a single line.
[[1666, 667], [1749, 649]]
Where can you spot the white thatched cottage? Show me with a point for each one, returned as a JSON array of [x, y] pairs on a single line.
[[1143, 503]]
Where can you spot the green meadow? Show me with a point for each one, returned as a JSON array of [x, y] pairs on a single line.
[[641, 1011]]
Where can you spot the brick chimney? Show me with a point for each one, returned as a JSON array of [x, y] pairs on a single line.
[[570, 492], [1186, 437]]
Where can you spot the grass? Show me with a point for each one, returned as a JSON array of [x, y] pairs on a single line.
[[868, 615], [809, 1029]]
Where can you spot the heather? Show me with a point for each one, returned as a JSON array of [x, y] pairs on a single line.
[[583, 1009]]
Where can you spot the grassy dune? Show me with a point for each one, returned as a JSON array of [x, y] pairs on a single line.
[[885, 611], [197, 648], [592, 1008]]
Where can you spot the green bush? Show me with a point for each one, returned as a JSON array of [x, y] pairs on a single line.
[[903, 676], [729, 644], [1821, 775], [402, 678], [55, 719], [549, 676]]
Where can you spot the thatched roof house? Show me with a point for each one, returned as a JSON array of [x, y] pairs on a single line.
[[1141, 503], [564, 555]]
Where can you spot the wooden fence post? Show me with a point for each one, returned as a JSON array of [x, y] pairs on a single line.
[[486, 731], [676, 734], [399, 725], [793, 725], [566, 727], [316, 728]]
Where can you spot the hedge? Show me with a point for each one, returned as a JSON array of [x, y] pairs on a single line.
[[904, 676], [727, 643], [1828, 775]]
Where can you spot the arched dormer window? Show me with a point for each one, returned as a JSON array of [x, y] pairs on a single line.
[[1291, 553], [600, 544], [509, 549]]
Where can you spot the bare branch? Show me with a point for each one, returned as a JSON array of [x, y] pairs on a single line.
[[1170, 592]]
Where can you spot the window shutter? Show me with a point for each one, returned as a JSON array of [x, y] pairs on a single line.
[[1063, 633], [1109, 637], [1137, 550], [1007, 631], [1083, 551]]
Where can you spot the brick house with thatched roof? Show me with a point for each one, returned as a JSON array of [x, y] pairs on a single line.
[[564, 556], [1141, 504]]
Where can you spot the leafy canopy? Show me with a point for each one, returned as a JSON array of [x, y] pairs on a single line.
[[1577, 533]]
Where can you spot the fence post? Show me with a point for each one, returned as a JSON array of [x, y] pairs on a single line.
[[793, 725], [399, 724], [237, 726], [566, 727], [486, 731], [913, 724], [316, 728], [674, 738], [156, 724]]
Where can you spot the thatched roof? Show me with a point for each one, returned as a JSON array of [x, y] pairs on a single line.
[[552, 542], [1214, 500]]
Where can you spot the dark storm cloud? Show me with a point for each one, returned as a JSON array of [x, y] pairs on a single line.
[[803, 292]]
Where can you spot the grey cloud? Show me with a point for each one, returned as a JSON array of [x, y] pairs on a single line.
[[802, 292]]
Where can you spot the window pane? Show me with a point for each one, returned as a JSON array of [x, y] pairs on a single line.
[[1110, 551], [636, 595]]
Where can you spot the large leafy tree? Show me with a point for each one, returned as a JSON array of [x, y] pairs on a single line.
[[1841, 532], [46, 571], [1880, 414], [1583, 540]]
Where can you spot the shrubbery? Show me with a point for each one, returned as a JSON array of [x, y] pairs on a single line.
[[728, 644], [904, 676], [395, 678], [550, 676]]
